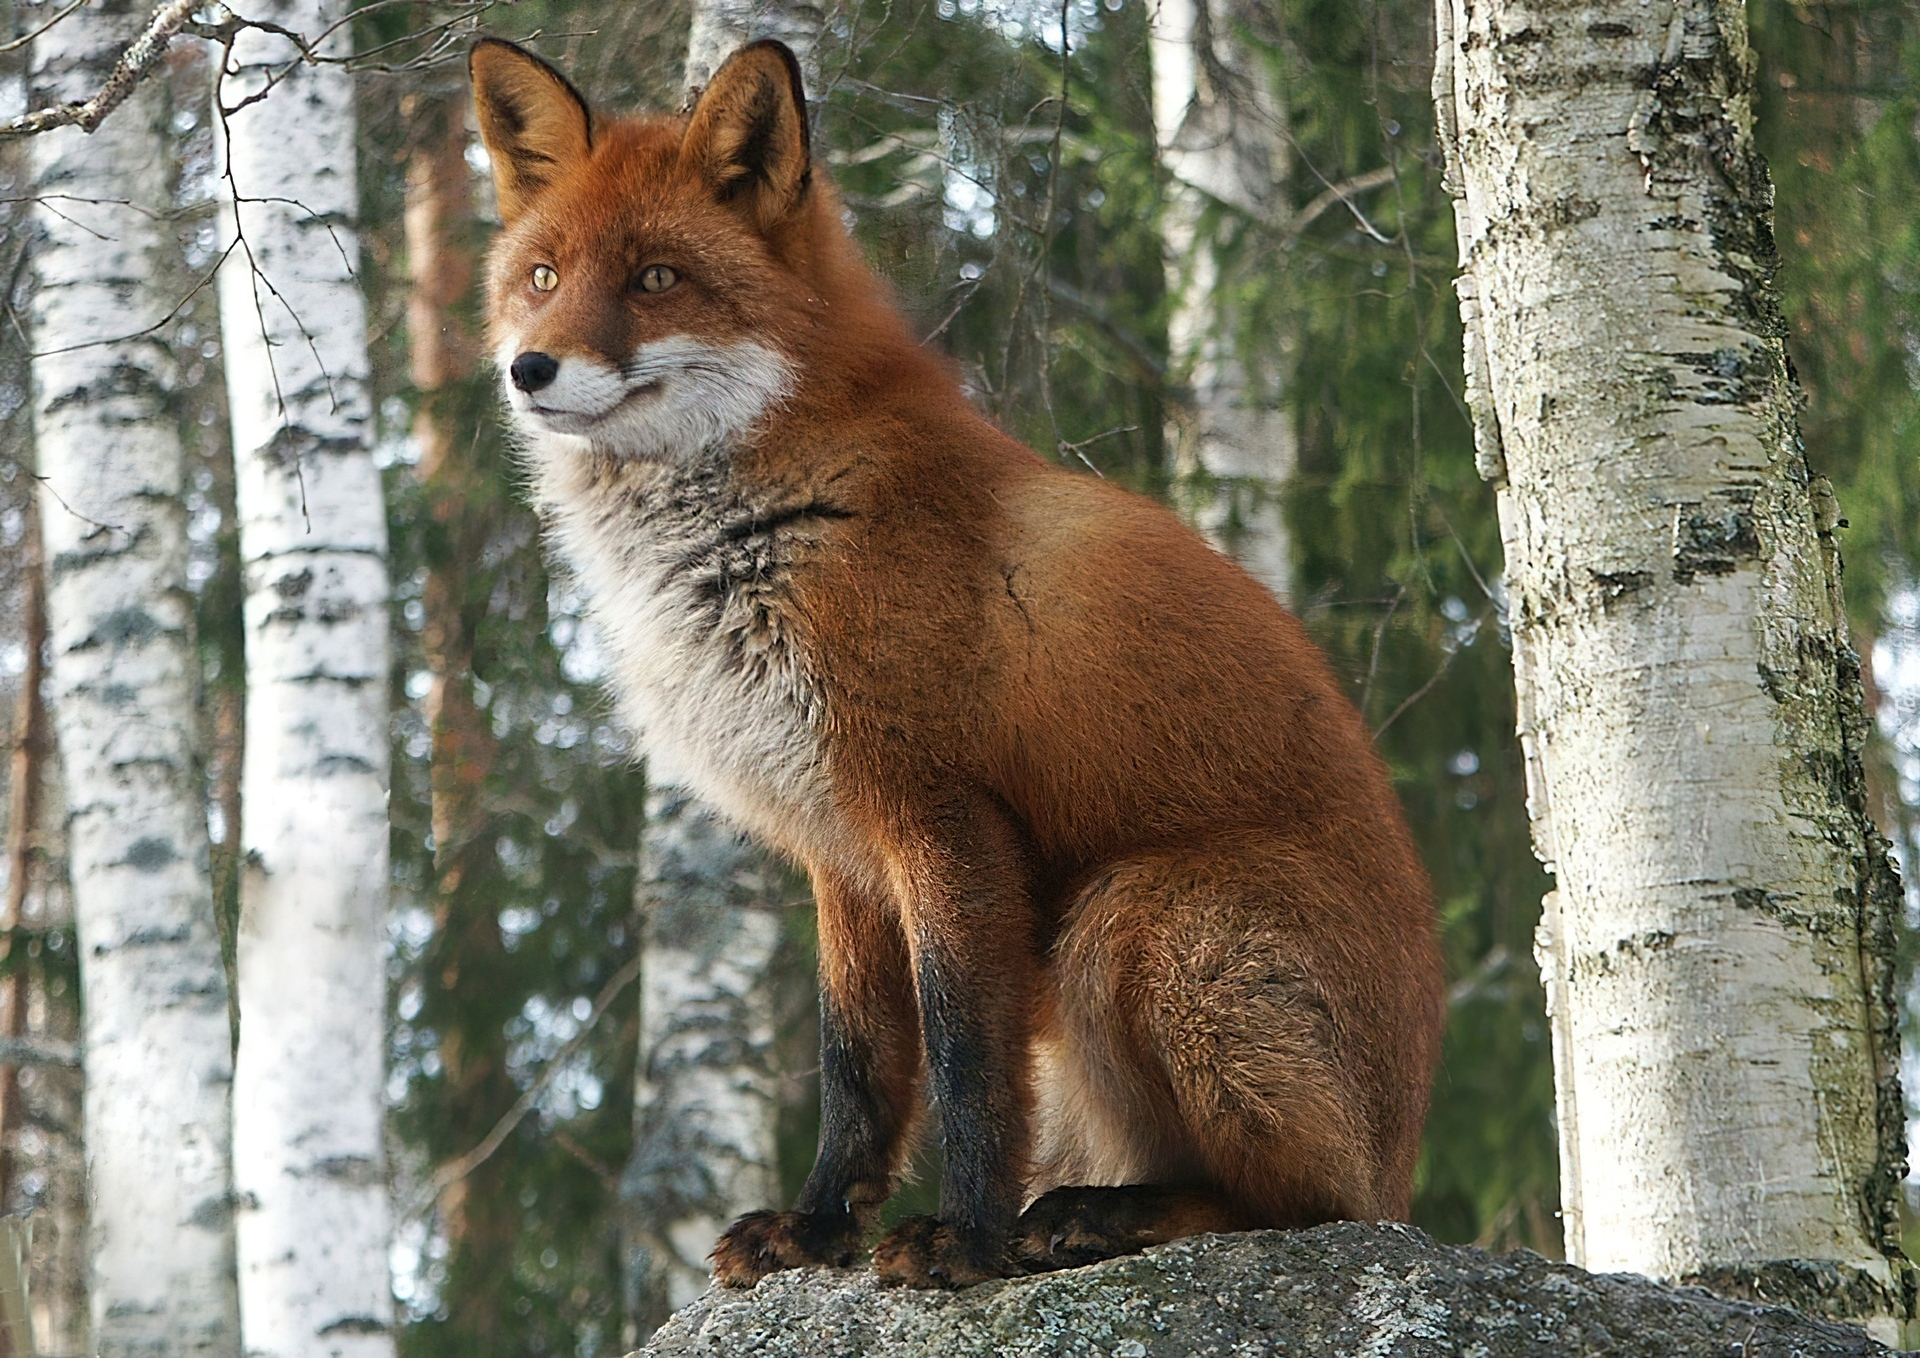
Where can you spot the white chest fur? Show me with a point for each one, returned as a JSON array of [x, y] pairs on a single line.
[[688, 581]]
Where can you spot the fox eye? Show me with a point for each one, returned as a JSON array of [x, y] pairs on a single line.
[[544, 278], [657, 278]]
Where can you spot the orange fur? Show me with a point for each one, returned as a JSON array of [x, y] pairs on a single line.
[[1107, 867]]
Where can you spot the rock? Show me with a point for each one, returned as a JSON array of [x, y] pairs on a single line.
[[1350, 1290]]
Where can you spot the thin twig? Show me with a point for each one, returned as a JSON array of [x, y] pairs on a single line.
[[47, 481], [1104, 434], [1421, 692], [26, 38], [1379, 635], [455, 1170], [1337, 193], [144, 331]]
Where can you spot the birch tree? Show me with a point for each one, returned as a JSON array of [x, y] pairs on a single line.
[[121, 686], [711, 910], [1223, 142], [313, 1223], [1718, 951]]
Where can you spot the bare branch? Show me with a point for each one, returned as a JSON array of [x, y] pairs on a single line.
[[1379, 635], [143, 332], [135, 64], [1446, 663], [1342, 192], [455, 1170], [26, 38]]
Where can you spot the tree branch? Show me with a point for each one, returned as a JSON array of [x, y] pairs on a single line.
[[455, 1170], [1337, 193], [135, 64]]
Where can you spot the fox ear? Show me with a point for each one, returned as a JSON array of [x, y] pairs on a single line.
[[748, 137], [536, 125]]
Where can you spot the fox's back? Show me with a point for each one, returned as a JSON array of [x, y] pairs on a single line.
[[1114, 678]]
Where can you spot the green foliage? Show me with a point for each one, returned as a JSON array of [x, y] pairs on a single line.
[[1838, 99]]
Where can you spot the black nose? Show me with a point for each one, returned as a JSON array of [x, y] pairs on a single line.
[[530, 372]]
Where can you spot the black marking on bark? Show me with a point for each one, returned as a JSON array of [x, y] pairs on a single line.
[[150, 854], [291, 444], [293, 586], [153, 938], [1707, 543], [1617, 585], [341, 763], [359, 1171], [1604, 961], [213, 1213], [1568, 210], [1734, 376], [353, 1325], [123, 627], [124, 378], [1609, 31]]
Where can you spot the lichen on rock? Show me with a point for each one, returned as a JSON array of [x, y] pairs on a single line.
[[1349, 1290]]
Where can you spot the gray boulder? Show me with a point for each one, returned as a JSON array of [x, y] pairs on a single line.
[[1364, 1291]]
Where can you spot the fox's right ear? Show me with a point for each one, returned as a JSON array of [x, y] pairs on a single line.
[[534, 123]]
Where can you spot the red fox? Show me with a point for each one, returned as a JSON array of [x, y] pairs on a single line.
[[1106, 868]]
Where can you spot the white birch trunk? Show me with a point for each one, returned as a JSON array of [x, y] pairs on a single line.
[[706, 1097], [121, 687], [1222, 140], [314, 1221], [1718, 948], [720, 26]]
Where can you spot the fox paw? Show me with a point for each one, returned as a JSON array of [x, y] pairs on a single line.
[[760, 1243], [927, 1252], [1064, 1229]]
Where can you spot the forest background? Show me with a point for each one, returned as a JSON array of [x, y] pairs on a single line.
[[1028, 235]]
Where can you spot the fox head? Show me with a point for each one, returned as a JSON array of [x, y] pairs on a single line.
[[659, 282]]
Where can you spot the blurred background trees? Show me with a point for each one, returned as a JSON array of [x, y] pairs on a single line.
[[1117, 285]]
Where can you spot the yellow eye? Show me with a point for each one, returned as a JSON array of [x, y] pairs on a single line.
[[657, 278], [544, 278]]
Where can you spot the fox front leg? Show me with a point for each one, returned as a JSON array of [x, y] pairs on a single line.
[[869, 1075], [975, 974]]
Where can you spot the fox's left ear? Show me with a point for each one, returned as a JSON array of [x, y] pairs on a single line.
[[535, 124], [748, 137]]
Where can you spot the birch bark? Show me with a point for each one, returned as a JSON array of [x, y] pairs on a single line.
[[313, 1222], [121, 687], [706, 1097], [1718, 949], [1222, 136]]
